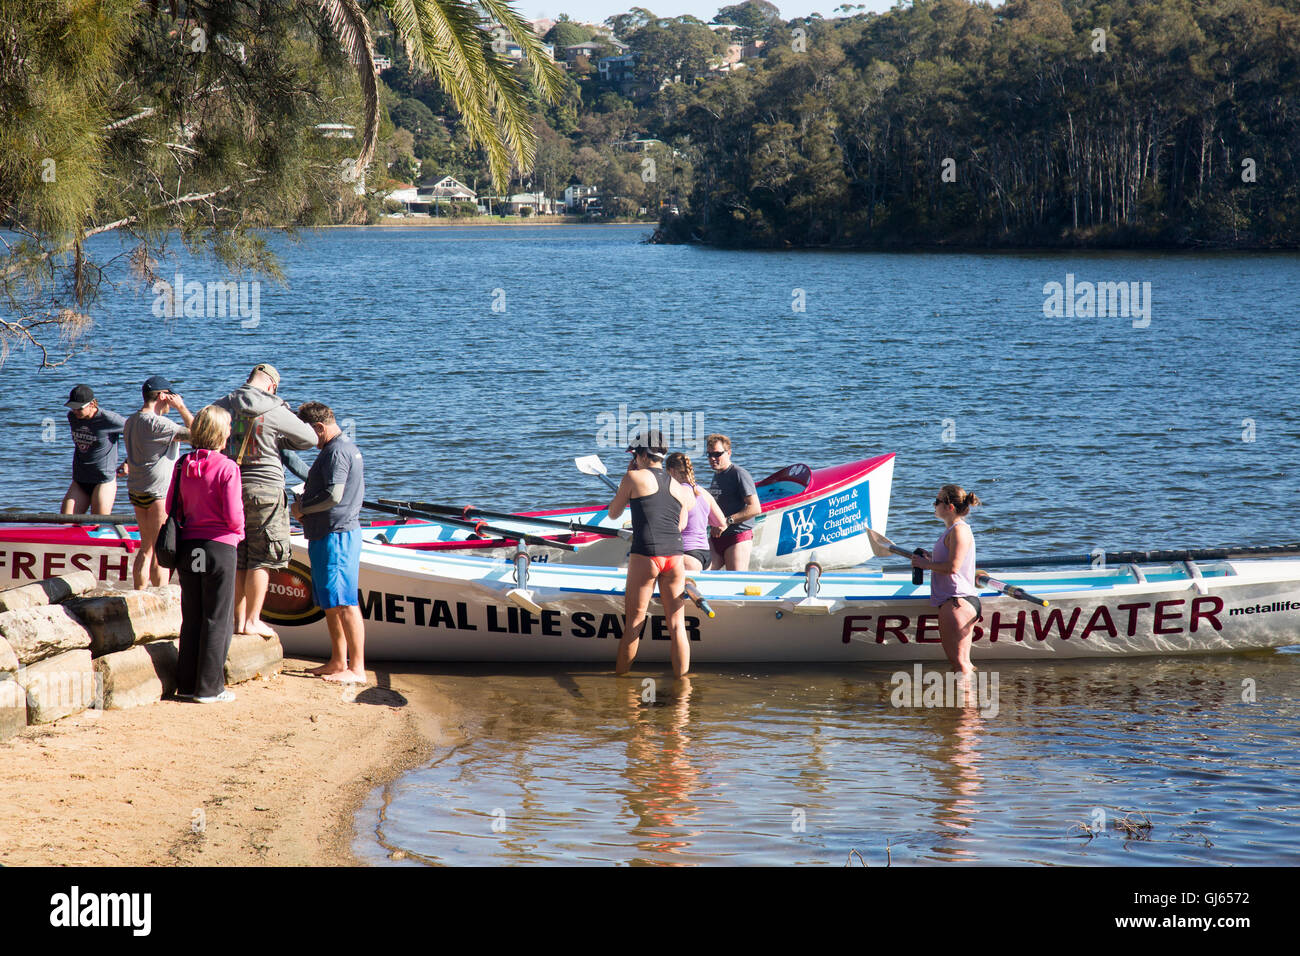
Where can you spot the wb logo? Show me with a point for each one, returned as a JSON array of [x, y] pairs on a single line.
[[802, 527]]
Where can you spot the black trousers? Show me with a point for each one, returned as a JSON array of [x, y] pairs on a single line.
[[207, 573]]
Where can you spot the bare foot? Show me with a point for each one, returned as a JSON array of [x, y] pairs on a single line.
[[329, 667], [345, 677], [261, 629]]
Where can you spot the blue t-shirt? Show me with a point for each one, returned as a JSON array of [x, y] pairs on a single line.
[[94, 455], [339, 463]]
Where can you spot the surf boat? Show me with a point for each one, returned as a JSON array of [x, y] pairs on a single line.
[[808, 514], [433, 606]]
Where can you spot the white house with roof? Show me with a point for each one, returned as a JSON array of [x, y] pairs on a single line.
[[538, 204], [578, 199], [447, 189]]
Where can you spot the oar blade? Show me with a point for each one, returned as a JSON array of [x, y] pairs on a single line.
[[881, 546], [591, 465]]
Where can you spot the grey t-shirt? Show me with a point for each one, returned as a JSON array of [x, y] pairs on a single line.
[[94, 459], [151, 450], [731, 488], [339, 463]]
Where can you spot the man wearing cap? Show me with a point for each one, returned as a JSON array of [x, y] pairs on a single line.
[[262, 425], [152, 447], [95, 432]]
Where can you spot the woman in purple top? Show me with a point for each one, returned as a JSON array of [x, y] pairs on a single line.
[[695, 537], [212, 524], [952, 575]]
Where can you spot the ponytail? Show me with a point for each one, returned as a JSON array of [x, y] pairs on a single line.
[[961, 499]]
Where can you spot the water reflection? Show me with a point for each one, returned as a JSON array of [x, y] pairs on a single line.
[[661, 775], [587, 769], [957, 777]]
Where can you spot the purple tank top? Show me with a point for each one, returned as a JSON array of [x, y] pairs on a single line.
[[946, 586], [696, 535]]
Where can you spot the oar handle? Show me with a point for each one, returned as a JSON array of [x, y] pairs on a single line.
[[693, 592], [1020, 594]]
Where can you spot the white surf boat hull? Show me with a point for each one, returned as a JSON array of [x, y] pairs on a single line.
[[426, 607]]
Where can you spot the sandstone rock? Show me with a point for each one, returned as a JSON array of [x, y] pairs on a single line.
[[8, 659], [126, 618], [38, 633], [13, 706], [61, 686], [49, 591], [137, 675], [252, 656]]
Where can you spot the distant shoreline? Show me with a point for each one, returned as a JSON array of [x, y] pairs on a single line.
[[493, 221]]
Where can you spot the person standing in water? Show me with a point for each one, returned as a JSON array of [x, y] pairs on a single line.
[[704, 512], [660, 508], [952, 576]]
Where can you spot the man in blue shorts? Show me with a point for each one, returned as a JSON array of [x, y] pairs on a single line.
[[329, 509]]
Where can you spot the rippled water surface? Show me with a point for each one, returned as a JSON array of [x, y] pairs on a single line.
[[789, 764], [1078, 433]]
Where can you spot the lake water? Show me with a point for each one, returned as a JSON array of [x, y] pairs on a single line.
[[473, 364]]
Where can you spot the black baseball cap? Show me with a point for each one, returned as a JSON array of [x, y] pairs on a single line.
[[651, 441], [80, 397], [156, 384]]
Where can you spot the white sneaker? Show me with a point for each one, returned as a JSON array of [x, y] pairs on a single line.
[[224, 697]]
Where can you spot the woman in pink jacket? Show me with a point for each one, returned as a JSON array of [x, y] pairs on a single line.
[[213, 523]]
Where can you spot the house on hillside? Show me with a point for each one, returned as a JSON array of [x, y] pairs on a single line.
[[617, 69], [409, 197], [592, 49], [537, 204], [447, 189], [578, 200]]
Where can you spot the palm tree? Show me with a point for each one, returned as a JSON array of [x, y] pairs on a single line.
[[449, 39]]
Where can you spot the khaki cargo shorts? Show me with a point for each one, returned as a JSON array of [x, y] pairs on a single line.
[[266, 533]]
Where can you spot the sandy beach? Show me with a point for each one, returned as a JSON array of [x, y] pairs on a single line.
[[274, 778]]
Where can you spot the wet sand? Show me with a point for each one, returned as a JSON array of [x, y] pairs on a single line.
[[274, 778]]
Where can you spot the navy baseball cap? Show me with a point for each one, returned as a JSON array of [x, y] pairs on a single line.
[[156, 384]]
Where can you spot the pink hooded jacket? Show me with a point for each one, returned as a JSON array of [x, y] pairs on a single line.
[[211, 498]]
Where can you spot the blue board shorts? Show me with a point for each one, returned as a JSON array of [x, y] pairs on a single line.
[[335, 568]]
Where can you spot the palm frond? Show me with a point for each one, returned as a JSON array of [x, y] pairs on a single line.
[[353, 29], [448, 39]]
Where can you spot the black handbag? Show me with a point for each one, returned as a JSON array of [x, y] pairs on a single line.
[[167, 548]]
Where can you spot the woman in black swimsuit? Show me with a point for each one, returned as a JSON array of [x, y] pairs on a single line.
[[660, 508]]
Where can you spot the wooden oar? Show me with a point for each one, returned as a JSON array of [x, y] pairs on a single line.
[[882, 546], [477, 526], [982, 578], [469, 511], [1170, 556], [592, 465]]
